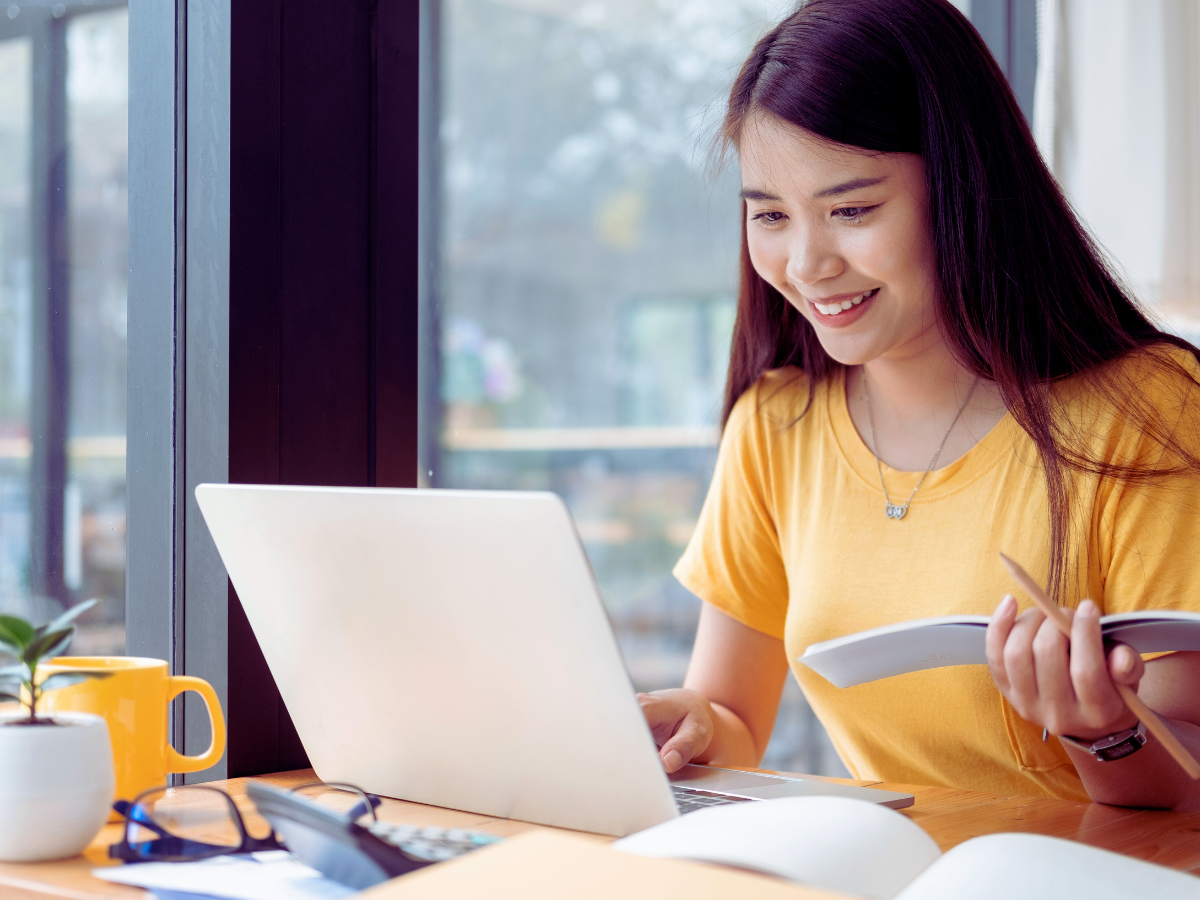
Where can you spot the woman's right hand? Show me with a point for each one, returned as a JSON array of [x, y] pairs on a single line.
[[682, 723]]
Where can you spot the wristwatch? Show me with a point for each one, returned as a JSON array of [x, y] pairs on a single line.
[[1115, 746]]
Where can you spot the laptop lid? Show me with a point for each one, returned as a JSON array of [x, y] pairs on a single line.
[[444, 647]]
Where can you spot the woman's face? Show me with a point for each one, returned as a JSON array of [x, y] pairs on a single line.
[[843, 234]]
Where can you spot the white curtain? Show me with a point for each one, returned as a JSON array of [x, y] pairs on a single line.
[[1117, 116]]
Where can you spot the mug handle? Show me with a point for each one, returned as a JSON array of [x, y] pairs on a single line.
[[176, 761]]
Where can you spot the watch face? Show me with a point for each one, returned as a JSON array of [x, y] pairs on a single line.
[[1122, 745], [1131, 744], [1115, 746]]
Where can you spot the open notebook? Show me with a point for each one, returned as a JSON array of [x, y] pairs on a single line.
[[959, 640], [813, 848], [865, 850]]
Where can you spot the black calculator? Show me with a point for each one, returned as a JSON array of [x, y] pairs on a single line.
[[357, 855]]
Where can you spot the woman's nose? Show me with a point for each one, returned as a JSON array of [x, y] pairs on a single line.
[[812, 259]]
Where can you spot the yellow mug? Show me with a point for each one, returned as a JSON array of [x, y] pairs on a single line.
[[133, 700]]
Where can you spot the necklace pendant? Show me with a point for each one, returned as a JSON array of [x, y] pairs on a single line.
[[896, 510]]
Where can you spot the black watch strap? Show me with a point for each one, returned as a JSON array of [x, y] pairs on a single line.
[[1114, 746]]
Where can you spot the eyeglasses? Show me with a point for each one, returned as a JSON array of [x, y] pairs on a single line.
[[195, 822]]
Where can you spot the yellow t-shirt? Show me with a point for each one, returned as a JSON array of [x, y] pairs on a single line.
[[793, 541]]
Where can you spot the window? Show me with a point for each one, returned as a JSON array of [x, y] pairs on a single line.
[[63, 236], [589, 269]]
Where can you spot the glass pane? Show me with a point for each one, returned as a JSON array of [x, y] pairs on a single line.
[[590, 251], [15, 320], [63, 257], [94, 521]]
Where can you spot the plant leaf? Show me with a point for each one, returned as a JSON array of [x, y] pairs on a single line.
[[6, 697], [62, 680], [50, 644], [61, 647], [66, 679], [15, 632], [69, 616]]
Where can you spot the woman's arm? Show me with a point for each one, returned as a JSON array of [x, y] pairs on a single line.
[[1068, 687], [726, 709]]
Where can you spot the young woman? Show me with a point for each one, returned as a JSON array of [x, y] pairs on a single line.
[[932, 363]]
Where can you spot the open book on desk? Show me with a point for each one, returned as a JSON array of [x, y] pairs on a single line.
[[959, 641], [813, 848], [861, 849]]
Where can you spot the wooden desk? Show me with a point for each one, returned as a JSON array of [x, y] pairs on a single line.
[[949, 816]]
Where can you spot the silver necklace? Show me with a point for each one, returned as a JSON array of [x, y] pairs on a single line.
[[897, 511]]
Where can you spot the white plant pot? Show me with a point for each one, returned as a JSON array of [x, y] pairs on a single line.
[[56, 786]]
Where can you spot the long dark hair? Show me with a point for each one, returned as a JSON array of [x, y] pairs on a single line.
[[1026, 298]]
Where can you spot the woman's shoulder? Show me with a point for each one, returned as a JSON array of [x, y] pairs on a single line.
[[779, 415], [1159, 374], [779, 395], [1161, 366], [1148, 396]]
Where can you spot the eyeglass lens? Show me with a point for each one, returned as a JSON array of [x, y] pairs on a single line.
[[186, 822]]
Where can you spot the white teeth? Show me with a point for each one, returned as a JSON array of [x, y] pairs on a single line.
[[832, 309]]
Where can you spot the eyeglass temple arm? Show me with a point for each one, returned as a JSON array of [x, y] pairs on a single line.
[[360, 808]]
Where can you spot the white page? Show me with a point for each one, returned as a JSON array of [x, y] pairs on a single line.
[[836, 843], [897, 649], [272, 875], [1154, 632], [959, 640], [1034, 867]]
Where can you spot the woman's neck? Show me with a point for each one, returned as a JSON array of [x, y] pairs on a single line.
[[913, 400]]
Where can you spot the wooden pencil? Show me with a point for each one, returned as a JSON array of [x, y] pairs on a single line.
[[1153, 723]]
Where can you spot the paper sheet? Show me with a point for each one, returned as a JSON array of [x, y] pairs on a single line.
[[832, 843], [273, 875]]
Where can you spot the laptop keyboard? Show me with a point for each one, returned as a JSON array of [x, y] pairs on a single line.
[[691, 799]]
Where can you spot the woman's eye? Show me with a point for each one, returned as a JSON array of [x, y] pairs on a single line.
[[852, 213], [768, 218]]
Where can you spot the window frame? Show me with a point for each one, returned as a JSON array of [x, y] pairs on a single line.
[[238, 158]]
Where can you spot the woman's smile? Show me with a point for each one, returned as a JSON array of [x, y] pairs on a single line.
[[843, 310]]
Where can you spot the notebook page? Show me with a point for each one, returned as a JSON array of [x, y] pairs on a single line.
[[1034, 867]]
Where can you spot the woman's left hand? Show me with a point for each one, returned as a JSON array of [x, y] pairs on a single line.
[[1065, 686]]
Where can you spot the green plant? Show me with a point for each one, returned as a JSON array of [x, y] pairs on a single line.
[[31, 646]]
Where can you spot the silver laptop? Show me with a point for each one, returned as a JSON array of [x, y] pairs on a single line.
[[451, 648]]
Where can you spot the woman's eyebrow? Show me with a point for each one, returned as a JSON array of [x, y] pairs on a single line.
[[847, 186], [756, 194]]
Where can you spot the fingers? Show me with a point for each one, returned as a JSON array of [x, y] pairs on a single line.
[[1020, 664], [1126, 666], [997, 634], [687, 743], [1052, 671], [681, 723], [664, 714], [1065, 683], [1089, 667]]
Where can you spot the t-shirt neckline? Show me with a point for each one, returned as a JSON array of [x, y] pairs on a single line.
[[988, 451]]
